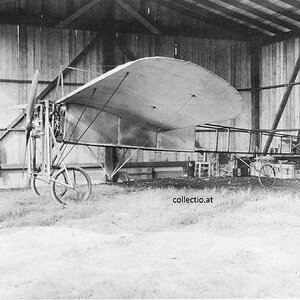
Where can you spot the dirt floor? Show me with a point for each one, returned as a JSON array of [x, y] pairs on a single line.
[[130, 240], [231, 183]]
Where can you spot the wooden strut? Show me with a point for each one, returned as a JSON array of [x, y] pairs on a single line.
[[75, 15], [138, 17], [283, 104]]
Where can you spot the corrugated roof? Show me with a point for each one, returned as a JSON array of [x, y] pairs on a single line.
[[263, 18], [271, 17]]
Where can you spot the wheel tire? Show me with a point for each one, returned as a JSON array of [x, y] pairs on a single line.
[[66, 195], [267, 176], [33, 185]]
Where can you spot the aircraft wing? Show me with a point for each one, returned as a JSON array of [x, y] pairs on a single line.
[[155, 94]]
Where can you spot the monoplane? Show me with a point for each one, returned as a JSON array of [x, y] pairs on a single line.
[[153, 103]]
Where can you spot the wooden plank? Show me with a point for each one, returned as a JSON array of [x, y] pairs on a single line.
[[30, 53], [65, 57], [158, 45], [9, 94], [267, 111], [79, 64], [2, 50], [37, 48], [87, 37], [152, 46], [238, 60], [183, 53], [195, 50], [138, 17], [23, 63], [212, 56], [233, 64], [9, 51], [273, 76], [201, 45], [190, 56], [289, 112], [167, 44]]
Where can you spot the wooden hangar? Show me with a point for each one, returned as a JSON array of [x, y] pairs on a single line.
[[253, 45]]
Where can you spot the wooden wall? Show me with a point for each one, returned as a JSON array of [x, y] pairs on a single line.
[[24, 49], [277, 64]]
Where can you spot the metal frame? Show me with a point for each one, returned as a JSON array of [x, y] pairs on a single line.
[[44, 129], [257, 148], [48, 139]]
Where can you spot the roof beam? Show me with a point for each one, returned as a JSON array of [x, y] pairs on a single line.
[[185, 31], [134, 27], [239, 16], [65, 22], [280, 37], [277, 9], [293, 3], [259, 13], [220, 23], [26, 19], [138, 17]]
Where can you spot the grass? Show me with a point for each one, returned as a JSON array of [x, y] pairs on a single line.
[[112, 209], [115, 208], [244, 244]]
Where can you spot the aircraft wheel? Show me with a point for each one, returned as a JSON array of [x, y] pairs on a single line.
[[74, 192], [33, 185], [267, 176]]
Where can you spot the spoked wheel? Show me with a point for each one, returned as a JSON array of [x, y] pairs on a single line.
[[267, 176], [72, 186]]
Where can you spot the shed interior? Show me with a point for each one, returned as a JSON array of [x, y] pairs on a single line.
[[253, 44]]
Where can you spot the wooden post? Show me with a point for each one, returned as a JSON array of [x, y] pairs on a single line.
[[283, 103], [109, 42], [111, 156], [255, 50]]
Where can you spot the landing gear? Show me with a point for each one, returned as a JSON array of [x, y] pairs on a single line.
[[267, 176], [71, 186]]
